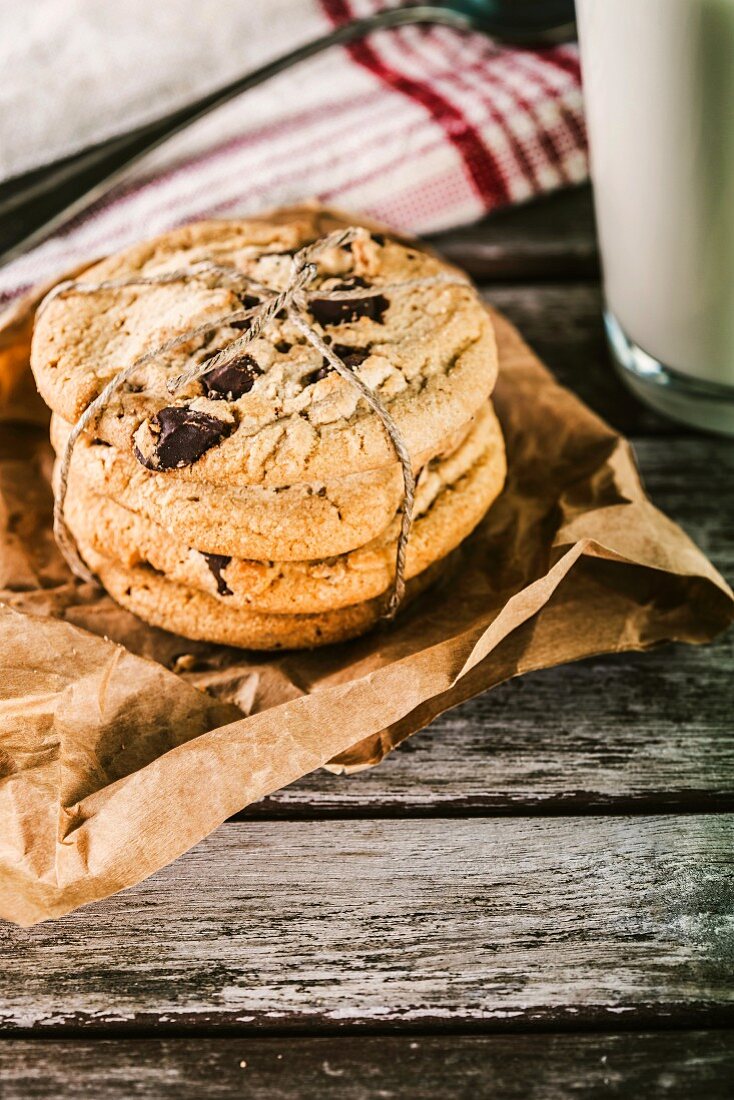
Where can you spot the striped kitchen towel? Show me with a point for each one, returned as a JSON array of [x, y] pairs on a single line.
[[423, 128]]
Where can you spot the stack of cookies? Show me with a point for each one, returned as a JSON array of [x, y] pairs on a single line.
[[260, 506]]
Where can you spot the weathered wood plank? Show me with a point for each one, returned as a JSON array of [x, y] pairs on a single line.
[[673, 1065], [562, 322], [541, 244], [550, 238], [650, 730], [690, 479], [503, 923]]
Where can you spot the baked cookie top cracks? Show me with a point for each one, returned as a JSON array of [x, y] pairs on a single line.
[[277, 414]]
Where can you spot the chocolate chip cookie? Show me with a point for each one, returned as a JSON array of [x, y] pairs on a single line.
[[256, 410], [195, 614], [452, 496], [295, 522], [279, 414]]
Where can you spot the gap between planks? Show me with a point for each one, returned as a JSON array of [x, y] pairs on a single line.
[[682, 804], [550, 1067], [619, 733], [504, 924]]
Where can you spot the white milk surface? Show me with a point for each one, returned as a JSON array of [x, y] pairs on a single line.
[[659, 90]]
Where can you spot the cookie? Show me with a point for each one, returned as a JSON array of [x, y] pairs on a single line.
[[451, 499], [279, 415], [296, 522], [199, 616]]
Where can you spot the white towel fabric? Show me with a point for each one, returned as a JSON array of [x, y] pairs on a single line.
[[424, 128]]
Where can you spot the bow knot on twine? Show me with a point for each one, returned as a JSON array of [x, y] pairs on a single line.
[[294, 299]]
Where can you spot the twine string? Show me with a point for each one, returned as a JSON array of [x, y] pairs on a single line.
[[398, 587], [64, 538], [294, 300], [177, 275], [261, 316]]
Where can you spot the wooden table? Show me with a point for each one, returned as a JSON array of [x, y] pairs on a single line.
[[532, 898]]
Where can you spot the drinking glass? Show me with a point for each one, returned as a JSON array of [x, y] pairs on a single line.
[[659, 91]]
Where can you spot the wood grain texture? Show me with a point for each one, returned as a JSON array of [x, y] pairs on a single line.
[[562, 322], [642, 732], [648, 730], [669, 1065], [551, 238], [523, 259], [690, 479], [503, 923], [457, 923]]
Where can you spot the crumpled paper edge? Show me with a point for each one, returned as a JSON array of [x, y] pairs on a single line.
[[258, 755]]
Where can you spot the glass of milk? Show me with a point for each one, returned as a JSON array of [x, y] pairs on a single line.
[[659, 91]]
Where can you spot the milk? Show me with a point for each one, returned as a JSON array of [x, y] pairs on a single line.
[[659, 91]]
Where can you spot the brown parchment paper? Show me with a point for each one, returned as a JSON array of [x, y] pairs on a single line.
[[121, 746]]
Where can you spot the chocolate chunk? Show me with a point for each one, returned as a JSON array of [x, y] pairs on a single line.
[[351, 357], [249, 301], [181, 436], [318, 375], [217, 563], [231, 380], [335, 312]]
